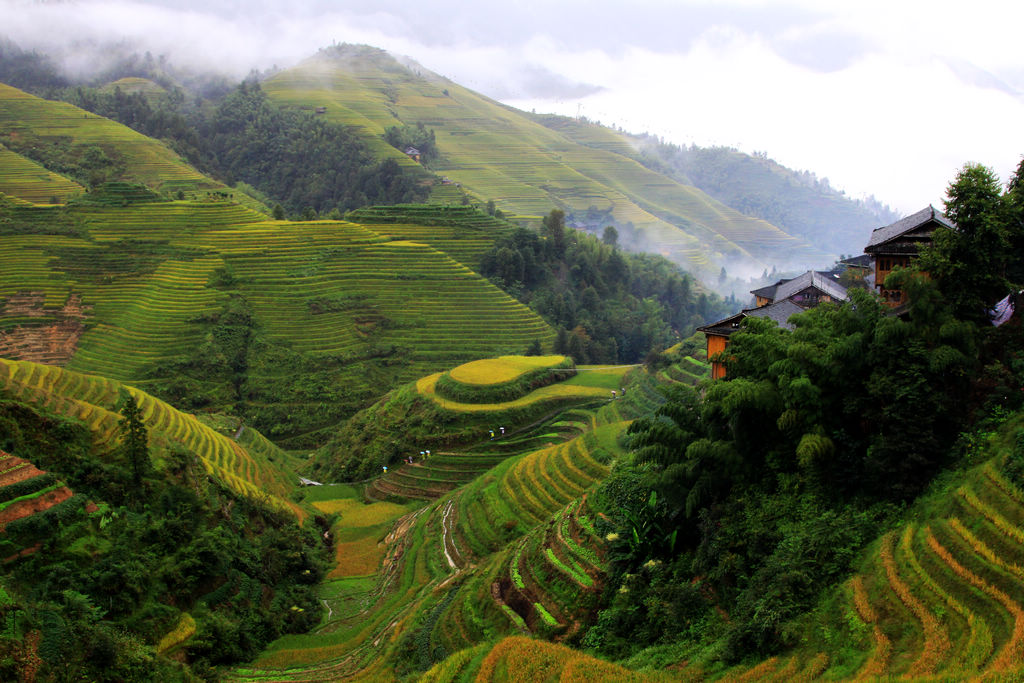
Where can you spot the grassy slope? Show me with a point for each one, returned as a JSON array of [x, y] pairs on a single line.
[[497, 152], [512, 551], [148, 162]]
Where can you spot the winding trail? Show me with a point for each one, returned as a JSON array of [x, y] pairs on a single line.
[[446, 534]]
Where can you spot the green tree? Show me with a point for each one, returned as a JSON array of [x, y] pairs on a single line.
[[610, 236], [278, 212], [1014, 200], [554, 229], [135, 439], [970, 263]]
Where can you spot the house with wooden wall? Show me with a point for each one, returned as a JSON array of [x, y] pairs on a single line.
[[896, 245], [810, 289], [718, 333], [778, 302]]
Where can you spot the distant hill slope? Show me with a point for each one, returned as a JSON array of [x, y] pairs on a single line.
[[85, 149], [499, 153], [798, 202]]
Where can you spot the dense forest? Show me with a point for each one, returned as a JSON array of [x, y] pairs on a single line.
[[609, 306], [752, 496]]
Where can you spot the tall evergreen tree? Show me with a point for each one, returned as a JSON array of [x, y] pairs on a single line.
[[135, 439]]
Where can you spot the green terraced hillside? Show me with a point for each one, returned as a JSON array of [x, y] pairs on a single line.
[[498, 153], [510, 551], [178, 296], [940, 598], [27, 180], [247, 469]]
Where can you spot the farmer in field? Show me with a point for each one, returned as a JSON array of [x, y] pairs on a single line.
[[492, 434], [613, 395]]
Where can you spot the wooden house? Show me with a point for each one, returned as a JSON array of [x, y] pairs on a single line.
[[413, 153], [896, 245], [778, 302], [718, 333], [807, 290]]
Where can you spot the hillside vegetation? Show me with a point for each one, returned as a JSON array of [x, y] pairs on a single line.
[[358, 108], [294, 326], [798, 202], [117, 560], [466, 493], [210, 305], [89, 148]]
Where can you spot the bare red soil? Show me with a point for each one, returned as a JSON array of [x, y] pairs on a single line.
[[53, 343], [25, 508]]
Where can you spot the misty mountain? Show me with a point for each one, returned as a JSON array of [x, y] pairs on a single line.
[[703, 209]]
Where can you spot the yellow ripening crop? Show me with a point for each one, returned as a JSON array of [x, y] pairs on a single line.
[[355, 513], [185, 629], [503, 369]]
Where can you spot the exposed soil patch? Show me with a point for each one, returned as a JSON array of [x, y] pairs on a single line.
[[14, 470], [25, 508], [53, 342]]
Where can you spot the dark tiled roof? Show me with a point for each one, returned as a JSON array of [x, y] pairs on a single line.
[[811, 278], [768, 291], [905, 225], [725, 326], [779, 312]]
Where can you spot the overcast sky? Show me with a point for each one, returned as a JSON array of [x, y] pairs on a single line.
[[882, 97]]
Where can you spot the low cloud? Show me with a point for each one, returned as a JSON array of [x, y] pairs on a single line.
[[883, 98]]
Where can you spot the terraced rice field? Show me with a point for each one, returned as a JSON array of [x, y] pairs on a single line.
[[517, 658], [462, 232], [145, 276], [553, 394], [132, 84], [940, 598], [92, 400], [27, 180], [491, 371], [422, 585], [687, 371], [430, 477]]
